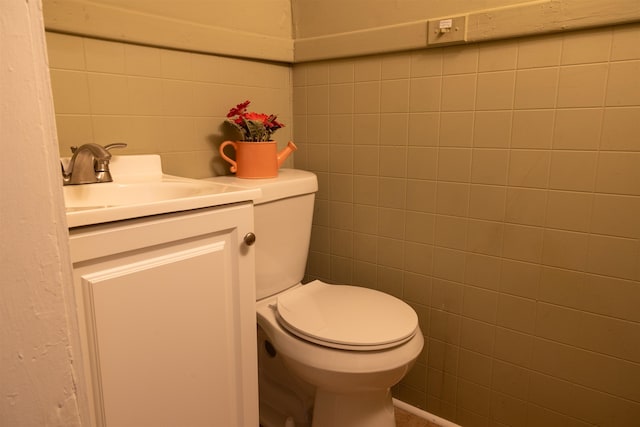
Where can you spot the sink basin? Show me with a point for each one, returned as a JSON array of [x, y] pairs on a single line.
[[112, 194], [141, 189]]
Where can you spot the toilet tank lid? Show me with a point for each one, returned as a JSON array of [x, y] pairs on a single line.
[[288, 183]]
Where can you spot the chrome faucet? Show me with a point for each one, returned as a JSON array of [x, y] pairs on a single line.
[[89, 164]]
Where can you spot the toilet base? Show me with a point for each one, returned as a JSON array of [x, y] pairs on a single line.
[[364, 409]]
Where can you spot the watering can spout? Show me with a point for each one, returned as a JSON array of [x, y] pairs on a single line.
[[282, 155]]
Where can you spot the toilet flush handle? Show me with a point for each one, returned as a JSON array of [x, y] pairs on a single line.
[[249, 239]]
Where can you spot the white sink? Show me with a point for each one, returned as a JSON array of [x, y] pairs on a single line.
[[119, 194], [141, 189]]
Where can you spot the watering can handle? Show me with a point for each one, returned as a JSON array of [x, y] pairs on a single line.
[[234, 165]]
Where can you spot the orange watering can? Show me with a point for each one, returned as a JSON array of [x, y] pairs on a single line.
[[257, 159]]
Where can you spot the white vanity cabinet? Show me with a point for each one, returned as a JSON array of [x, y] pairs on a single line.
[[166, 306]]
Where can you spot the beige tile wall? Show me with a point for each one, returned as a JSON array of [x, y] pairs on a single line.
[[496, 188], [159, 101]]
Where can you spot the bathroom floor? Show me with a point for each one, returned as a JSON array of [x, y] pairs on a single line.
[[406, 419]]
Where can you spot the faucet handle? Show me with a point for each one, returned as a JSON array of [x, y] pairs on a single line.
[[108, 147], [101, 167]]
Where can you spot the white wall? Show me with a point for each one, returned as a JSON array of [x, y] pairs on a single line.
[[266, 17], [309, 30], [346, 28], [38, 334], [250, 28], [321, 18]]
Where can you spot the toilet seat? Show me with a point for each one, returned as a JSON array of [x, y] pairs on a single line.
[[346, 317]]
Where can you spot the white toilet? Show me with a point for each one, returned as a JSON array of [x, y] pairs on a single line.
[[328, 354]]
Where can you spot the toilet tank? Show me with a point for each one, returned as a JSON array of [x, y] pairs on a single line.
[[282, 218], [282, 225]]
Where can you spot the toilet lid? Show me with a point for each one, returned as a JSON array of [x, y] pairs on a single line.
[[346, 317]]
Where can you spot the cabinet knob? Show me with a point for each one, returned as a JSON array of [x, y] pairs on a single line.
[[249, 239]]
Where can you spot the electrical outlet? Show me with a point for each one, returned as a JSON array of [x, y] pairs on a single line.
[[447, 30]]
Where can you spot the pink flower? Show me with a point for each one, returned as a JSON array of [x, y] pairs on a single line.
[[253, 126], [259, 117], [239, 109]]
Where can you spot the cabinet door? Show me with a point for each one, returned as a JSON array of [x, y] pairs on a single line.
[[167, 333]]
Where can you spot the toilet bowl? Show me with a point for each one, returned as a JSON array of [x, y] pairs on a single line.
[[333, 351], [352, 379]]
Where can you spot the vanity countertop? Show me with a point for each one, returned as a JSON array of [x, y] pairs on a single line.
[[140, 189]]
